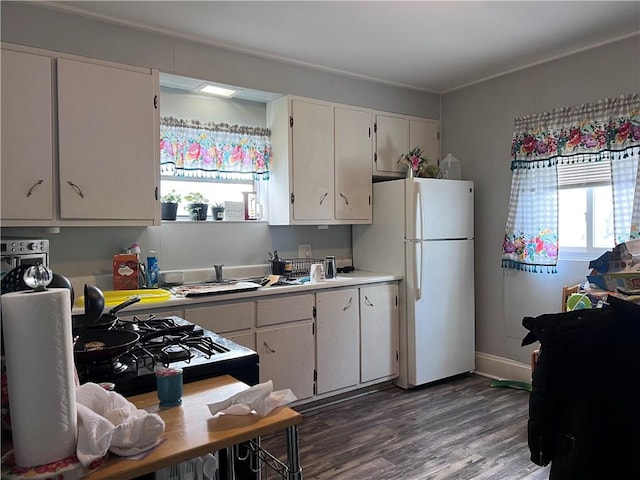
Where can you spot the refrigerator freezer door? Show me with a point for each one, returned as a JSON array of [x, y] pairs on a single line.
[[439, 209], [441, 318]]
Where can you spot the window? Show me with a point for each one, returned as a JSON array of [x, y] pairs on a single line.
[[575, 182], [585, 207], [217, 160], [216, 191]]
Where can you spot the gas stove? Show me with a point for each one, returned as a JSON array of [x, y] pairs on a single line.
[[170, 341]]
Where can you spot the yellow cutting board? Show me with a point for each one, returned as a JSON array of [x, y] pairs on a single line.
[[116, 297]]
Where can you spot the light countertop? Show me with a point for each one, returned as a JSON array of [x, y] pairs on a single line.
[[355, 278]]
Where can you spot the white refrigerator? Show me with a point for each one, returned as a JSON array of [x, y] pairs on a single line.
[[423, 229]]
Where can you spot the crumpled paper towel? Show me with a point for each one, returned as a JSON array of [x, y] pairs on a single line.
[[109, 422], [260, 398]]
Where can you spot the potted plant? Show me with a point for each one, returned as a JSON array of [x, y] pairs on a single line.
[[419, 166], [198, 205], [169, 204], [217, 211]]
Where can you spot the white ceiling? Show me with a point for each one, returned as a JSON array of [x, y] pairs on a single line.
[[434, 46]]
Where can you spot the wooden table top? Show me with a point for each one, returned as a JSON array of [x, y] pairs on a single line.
[[191, 431]]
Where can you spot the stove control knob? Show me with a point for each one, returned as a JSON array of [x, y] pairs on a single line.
[[33, 246]]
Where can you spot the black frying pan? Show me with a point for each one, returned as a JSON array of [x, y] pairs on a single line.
[[105, 321], [96, 345], [110, 316]]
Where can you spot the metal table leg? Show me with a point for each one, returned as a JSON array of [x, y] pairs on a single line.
[[293, 455], [231, 471]]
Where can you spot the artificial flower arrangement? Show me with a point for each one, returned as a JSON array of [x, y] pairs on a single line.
[[419, 165]]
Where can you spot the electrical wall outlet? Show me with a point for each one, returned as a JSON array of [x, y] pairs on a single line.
[[304, 250]]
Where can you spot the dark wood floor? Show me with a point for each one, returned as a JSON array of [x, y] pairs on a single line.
[[460, 428]]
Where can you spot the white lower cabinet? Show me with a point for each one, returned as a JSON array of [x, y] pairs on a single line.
[[245, 339], [337, 340], [287, 357], [379, 332], [224, 318], [317, 344], [285, 342]]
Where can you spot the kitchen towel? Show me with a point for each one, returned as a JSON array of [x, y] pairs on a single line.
[[260, 398], [40, 375], [109, 422]]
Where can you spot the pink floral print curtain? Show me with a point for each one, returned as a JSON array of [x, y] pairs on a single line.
[[217, 151], [608, 129]]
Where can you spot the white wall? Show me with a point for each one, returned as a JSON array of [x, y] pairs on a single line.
[[477, 126]]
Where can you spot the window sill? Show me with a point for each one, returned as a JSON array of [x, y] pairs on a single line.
[[580, 254], [209, 221]]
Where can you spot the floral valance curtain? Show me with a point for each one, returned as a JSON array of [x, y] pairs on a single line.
[[217, 151], [608, 129]]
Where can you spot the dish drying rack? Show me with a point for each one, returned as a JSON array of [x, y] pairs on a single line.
[[300, 267]]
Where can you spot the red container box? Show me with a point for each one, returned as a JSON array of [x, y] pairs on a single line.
[[125, 271]]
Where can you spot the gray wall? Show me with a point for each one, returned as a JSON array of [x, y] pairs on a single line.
[[88, 251], [477, 126]]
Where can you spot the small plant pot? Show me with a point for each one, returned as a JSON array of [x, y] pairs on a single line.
[[198, 211], [217, 213], [169, 211]]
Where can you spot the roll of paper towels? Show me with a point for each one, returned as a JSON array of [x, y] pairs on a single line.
[[40, 375]]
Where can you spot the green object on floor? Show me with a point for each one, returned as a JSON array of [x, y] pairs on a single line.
[[512, 384]]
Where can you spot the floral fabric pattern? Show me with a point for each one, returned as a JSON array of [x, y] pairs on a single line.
[[193, 149], [608, 129]]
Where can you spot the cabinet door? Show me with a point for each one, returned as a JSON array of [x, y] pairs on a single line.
[[337, 340], [352, 163], [107, 126], [312, 155], [378, 332], [424, 133], [391, 141], [245, 339], [27, 137], [287, 357]]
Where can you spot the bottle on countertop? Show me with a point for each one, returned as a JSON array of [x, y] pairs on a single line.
[[152, 270], [142, 269], [330, 267]]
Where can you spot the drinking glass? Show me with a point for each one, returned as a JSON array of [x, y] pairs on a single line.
[[169, 386]]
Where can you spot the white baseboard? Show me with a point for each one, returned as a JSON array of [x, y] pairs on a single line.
[[493, 366]]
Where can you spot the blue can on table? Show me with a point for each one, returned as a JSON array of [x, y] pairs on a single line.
[[169, 386]]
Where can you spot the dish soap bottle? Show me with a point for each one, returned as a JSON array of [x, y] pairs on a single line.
[[152, 269]]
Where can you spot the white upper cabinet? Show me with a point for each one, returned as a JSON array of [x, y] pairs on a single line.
[[27, 137], [106, 130], [320, 165], [105, 170], [312, 158], [391, 141], [424, 133], [395, 135], [353, 186]]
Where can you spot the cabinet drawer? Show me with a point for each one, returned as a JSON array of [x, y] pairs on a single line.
[[285, 309], [223, 318]]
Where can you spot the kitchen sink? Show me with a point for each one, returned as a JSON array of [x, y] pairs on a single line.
[[213, 288]]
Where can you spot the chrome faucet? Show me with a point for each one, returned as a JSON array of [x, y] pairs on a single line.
[[218, 269]]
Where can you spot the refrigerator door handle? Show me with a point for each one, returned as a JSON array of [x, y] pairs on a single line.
[[418, 269], [420, 216]]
